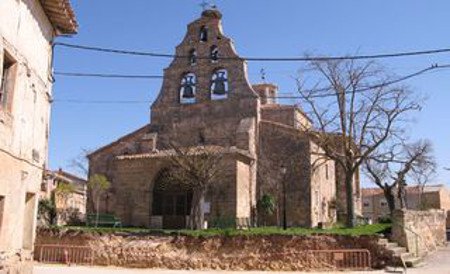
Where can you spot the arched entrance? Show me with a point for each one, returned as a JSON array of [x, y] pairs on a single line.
[[171, 201]]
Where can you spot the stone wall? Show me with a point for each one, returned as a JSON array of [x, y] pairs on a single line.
[[289, 115], [281, 145], [215, 252], [420, 232]]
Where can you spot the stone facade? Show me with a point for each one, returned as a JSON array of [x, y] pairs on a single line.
[[26, 35], [70, 207], [207, 101], [421, 232], [417, 198]]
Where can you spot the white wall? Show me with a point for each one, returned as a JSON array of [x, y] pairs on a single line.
[[26, 34]]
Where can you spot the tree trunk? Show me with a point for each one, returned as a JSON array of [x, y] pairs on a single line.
[[96, 210], [390, 198], [197, 214], [351, 218]]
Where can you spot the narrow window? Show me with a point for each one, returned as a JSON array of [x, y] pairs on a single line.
[[326, 171], [2, 208], [203, 34], [214, 54], [219, 84], [193, 57], [188, 89], [7, 81]]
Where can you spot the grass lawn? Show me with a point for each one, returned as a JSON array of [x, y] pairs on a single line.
[[357, 231]]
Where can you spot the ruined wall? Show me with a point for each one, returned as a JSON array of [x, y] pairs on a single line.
[[419, 231], [281, 145]]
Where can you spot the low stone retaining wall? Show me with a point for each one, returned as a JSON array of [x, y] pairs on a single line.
[[16, 262], [215, 252], [420, 232]]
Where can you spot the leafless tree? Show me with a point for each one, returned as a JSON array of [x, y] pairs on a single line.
[[355, 106], [80, 163], [196, 168], [393, 165]]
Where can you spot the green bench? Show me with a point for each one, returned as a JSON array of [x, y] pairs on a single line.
[[103, 220]]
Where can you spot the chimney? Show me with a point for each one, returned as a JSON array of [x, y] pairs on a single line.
[[267, 93]]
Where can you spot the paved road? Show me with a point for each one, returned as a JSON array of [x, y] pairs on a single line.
[[439, 262]]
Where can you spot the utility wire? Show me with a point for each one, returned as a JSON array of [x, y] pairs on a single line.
[[384, 84], [102, 75], [269, 59]]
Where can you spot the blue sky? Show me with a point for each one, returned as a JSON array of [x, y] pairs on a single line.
[[259, 28]]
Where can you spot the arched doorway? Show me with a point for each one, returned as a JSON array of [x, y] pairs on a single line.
[[171, 201]]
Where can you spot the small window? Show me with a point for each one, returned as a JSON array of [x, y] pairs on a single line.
[[2, 208], [383, 203], [214, 54], [188, 88], [366, 204], [219, 84], [326, 171], [193, 57], [203, 34], [7, 81]]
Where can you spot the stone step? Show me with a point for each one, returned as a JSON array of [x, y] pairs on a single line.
[[391, 245], [413, 262], [383, 241], [398, 250]]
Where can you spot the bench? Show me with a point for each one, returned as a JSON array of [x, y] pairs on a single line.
[[103, 219]]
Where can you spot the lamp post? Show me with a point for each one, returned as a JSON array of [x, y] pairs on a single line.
[[283, 173]]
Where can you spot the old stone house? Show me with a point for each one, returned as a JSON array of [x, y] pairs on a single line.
[[375, 207], [206, 101], [27, 30], [70, 202]]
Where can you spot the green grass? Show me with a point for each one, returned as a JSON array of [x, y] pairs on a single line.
[[357, 231]]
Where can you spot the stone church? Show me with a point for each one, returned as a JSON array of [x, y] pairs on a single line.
[[206, 101]]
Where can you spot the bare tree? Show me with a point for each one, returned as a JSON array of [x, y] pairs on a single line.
[[393, 165], [80, 163], [355, 107], [196, 168]]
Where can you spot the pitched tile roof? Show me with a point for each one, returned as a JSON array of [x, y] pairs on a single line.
[[61, 15]]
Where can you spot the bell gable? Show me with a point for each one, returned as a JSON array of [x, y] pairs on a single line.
[[206, 73]]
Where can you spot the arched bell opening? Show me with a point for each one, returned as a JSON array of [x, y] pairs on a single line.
[[171, 203], [188, 88], [219, 84]]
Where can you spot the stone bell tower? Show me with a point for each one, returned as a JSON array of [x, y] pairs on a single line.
[[205, 95]]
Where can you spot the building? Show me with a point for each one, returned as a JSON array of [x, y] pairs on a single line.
[[27, 30], [70, 201], [207, 102], [375, 206]]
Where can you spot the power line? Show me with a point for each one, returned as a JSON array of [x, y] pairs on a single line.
[[384, 84], [102, 75], [268, 59]]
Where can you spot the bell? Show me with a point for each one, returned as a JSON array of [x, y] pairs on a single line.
[[188, 87], [219, 84], [188, 92]]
